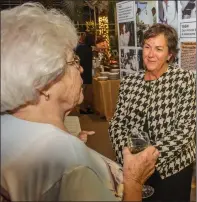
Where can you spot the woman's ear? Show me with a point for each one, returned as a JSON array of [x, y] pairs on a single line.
[[169, 57]]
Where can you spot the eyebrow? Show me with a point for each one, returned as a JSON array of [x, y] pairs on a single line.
[[156, 46]]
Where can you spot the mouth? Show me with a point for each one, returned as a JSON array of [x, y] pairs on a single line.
[[151, 61]]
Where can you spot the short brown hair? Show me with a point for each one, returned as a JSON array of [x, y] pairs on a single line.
[[170, 35], [100, 39]]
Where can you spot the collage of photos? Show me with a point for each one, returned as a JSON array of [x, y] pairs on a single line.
[[179, 14], [126, 35], [146, 15], [128, 60]]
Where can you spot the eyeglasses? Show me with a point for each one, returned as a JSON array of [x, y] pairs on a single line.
[[76, 61]]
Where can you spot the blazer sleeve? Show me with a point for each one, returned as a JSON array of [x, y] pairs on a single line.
[[183, 133], [117, 125]]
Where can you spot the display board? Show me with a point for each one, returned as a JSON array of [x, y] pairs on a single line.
[[135, 17]]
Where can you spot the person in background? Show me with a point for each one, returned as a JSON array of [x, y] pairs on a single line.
[[40, 160], [140, 27], [160, 101], [102, 50], [101, 43], [170, 13], [154, 15], [124, 35], [84, 51]]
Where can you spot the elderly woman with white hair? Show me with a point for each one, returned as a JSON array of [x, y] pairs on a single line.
[[40, 84]]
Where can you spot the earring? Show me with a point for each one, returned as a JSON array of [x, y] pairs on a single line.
[[47, 96]]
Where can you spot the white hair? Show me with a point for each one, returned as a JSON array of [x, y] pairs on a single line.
[[34, 45]]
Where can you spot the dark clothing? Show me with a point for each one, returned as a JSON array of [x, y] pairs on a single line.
[[188, 9], [85, 54], [175, 188]]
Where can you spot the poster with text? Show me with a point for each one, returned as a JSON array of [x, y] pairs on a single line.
[[126, 35], [188, 56], [125, 11], [187, 16]]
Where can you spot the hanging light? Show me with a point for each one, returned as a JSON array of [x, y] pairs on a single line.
[[104, 28]]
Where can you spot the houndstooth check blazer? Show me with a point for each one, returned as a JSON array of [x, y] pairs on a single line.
[[169, 104]]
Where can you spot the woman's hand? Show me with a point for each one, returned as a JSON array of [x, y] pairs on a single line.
[[83, 135], [139, 167]]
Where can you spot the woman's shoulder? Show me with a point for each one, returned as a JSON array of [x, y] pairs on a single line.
[[182, 74], [48, 139], [185, 79]]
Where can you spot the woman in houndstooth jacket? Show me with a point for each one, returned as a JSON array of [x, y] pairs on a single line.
[[161, 102]]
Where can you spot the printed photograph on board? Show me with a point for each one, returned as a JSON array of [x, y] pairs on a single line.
[[188, 9], [146, 15], [168, 12], [127, 36], [128, 60], [140, 60]]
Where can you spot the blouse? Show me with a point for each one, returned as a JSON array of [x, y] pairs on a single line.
[[40, 162]]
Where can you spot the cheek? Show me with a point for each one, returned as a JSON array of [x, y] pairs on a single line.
[[77, 86], [144, 55], [162, 57]]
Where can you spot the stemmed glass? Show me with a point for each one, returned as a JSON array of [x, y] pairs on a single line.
[[137, 142]]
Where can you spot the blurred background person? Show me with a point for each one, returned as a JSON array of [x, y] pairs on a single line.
[[102, 50], [153, 10], [101, 43], [140, 27], [84, 51]]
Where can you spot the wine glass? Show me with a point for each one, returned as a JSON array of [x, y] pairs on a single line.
[[137, 142]]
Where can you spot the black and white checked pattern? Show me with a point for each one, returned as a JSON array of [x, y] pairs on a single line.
[[170, 104]]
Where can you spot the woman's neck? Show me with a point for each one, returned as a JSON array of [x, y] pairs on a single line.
[[38, 113], [154, 75]]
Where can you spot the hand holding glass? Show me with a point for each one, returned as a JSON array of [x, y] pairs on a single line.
[[137, 142]]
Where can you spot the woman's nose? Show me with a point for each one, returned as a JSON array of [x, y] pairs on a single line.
[[150, 53]]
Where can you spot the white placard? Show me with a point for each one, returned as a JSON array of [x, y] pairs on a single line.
[[125, 11], [188, 29]]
